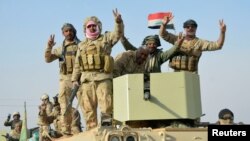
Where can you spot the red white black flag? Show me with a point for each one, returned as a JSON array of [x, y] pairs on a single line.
[[155, 20]]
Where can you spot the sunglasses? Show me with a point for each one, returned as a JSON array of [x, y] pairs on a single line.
[[226, 118], [190, 26]]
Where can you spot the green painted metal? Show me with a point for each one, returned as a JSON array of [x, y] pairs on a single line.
[[174, 95]]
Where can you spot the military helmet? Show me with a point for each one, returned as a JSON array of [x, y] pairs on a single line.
[[69, 25], [44, 96], [190, 22], [94, 19], [16, 114], [224, 112], [152, 37]]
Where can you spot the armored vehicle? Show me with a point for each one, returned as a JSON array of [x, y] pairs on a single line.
[[168, 109]]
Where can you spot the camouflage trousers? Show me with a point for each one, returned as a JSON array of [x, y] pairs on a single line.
[[93, 94], [65, 87], [75, 126], [43, 132]]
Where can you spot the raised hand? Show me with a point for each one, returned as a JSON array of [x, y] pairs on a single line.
[[51, 41], [75, 84], [42, 107], [223, 27], [8, 117], [117, 15], [167, 19]]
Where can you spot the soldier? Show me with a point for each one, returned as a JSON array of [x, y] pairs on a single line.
[[156, 56], [11, 123], [66, 56], [44, 109], [191, 50], [94, 67], [55, 118], [131, 62], [14, 134], [226, 117]]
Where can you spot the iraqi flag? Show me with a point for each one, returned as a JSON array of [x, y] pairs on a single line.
[[155, 20]]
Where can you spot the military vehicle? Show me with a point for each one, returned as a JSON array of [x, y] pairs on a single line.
[[168, 110]]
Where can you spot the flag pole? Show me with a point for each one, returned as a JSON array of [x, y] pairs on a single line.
[[24, 131]]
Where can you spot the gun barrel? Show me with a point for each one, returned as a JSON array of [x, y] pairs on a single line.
[[72, 96]]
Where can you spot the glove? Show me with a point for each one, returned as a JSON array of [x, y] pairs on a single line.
[[9, 115]]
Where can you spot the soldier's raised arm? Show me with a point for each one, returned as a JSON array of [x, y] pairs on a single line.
[[126, 44], [222, 35], [119, 28], [49, 56], [169, 37]]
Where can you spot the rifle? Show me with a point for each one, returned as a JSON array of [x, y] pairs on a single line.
[[71, 98], [6, 136], [56, 103]]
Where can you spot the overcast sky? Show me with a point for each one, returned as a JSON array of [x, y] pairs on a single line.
[[26, 25]]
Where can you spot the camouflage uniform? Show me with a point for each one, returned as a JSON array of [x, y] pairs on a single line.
[[43, 121], [54, 118], [190, 52], [125, 63], [11, 123], [93, 67], [66, 56], [14, 134], [187, 58], [157, 58]]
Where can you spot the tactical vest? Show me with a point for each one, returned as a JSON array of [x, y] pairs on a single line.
[[68, 59], [95, 56], [187, 57]]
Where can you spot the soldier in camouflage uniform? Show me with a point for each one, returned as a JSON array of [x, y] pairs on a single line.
[[44, 109], [94, 67], [55, 118], [187, 58], [11, 123], [131, 62], [14, 134], [66, 56], [156, 56]]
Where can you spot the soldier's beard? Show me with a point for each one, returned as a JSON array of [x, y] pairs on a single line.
[[151, 50]]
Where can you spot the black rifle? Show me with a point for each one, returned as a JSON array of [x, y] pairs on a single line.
[[72, 96], [56, 103]]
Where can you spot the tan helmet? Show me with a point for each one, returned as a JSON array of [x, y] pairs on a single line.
[[16, 113], [44, 96]]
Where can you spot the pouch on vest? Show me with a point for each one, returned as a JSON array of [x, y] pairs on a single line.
[[69, 64], [84, 62], [90, 59], [192, 62], [184, 62], [108, 64], [63, 68], [97, 60], [178, 62]]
